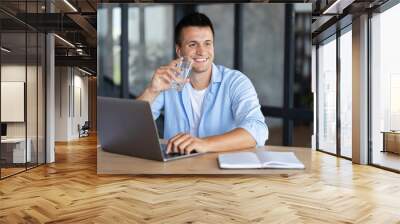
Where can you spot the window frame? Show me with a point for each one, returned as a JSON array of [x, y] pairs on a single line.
[[333, 36]]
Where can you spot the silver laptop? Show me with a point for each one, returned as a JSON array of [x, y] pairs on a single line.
[[126, 126]]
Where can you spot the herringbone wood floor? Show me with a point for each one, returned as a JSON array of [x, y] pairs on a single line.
[[69, 191]]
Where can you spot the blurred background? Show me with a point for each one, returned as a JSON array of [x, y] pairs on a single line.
[[270, 43]]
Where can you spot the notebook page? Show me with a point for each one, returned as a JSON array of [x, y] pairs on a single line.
[[239, 160], [279, 160]]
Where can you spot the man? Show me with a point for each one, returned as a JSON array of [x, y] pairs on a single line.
[[218, 108]]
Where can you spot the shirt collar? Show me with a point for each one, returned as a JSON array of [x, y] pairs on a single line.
[[216, 75]]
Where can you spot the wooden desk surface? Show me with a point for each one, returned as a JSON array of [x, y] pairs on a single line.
[[110, 163]]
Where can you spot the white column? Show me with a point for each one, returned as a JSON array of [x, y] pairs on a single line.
[[50, 94], [62, 103], [360, 90]]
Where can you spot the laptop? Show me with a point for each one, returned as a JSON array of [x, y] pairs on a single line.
[[126, 126]]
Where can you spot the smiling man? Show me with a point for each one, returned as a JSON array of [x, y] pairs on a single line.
[[217, 110]]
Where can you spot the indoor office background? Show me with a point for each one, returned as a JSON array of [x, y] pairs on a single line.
[[333, 63], [270, 43], [22, 77]]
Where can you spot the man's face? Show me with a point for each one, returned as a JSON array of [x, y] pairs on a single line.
[[198, 44]]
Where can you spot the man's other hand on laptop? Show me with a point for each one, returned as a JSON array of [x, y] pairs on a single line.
[[185, 144]]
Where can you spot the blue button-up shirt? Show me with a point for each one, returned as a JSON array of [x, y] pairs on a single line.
[[230, 102]]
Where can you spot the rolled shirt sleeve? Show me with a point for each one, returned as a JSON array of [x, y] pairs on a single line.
[[247, 110], [157, 105]]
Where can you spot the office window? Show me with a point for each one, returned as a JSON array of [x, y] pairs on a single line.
[[302, 95], [385, 88], [263, 50], [223, 22], [116, 50], [263, 59], [109, 49], [302, 131], [327, 96], [346, 94], [275, 129], [151, 43]]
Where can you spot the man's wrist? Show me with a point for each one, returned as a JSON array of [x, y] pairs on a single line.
[[152, 92], [148, 95], [207, 144]]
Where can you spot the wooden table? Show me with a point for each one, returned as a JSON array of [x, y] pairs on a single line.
[[207, 164], [391, 141]]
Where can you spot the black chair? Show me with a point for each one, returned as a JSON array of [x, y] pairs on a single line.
[[84, 130]]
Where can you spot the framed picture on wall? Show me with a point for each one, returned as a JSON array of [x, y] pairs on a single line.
[[12, 101]]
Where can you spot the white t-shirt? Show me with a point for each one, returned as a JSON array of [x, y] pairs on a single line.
[[196, 100]]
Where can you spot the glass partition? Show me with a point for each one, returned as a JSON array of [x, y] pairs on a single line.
[[385, 89], [346, 93], [327, 96], [22, 77], [41, 97], [14, 153], [31, 98]]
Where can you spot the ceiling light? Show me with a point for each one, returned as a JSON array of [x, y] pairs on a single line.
[[84, 71], [70, 5], [65, 41], [337, 7], [79, 51], [5, 50]]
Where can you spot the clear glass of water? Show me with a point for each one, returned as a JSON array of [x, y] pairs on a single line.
[[185, 66]]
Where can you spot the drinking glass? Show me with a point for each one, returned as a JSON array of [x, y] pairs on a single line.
[[185, 65]]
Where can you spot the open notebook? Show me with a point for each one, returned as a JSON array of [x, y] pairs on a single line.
[[259, 159]]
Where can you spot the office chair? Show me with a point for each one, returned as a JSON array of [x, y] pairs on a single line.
[[84, 130]]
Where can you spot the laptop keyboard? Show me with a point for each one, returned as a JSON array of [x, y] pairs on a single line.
[[170, 155]]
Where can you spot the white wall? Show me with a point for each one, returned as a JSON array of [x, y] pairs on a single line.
[[71, 94], [62, 81]]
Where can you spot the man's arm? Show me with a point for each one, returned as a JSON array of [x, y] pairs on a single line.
[[160, 81], [236, 139], [229, 141], [148, 95], [251, 128]]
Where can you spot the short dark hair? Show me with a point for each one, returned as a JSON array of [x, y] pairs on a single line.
[[193, 19]]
